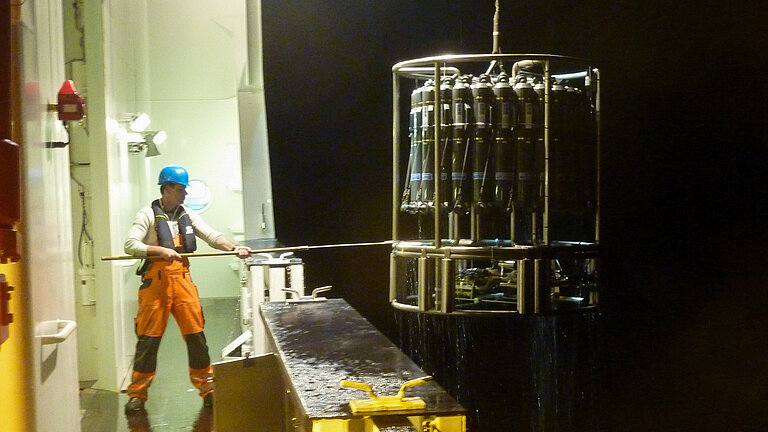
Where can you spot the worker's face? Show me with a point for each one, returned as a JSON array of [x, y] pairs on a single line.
[[173, 195]]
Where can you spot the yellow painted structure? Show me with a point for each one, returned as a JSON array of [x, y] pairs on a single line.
[[385, 403], [16, 355], [368, 424]]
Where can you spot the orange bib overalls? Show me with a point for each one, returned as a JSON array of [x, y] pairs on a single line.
[[168, 289]]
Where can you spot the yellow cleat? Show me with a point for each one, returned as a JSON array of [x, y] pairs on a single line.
[[386, 403]]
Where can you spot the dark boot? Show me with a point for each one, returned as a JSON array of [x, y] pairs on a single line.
[[134, 405]]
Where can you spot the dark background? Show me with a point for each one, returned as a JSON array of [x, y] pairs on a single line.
[[683, 180]]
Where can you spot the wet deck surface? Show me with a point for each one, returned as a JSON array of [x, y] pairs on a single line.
[[173, 404], [322, 343]]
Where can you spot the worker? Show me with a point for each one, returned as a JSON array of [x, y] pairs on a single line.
[[161, 232]]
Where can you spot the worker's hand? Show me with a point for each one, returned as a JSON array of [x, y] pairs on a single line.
[[169, 254], [242, 251]]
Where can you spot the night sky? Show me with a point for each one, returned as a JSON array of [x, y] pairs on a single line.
[[684, 218]]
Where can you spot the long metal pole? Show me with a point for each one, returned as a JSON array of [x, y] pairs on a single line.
[[545, 216], [436, 169], [597, 118], [395, 152], [496, 48], [395, 180], [436, 182], [254, 251]]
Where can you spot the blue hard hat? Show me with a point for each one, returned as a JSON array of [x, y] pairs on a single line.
[[175, 174]]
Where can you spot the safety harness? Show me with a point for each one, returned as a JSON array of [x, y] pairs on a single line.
[[164, 238], [187, 231]]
